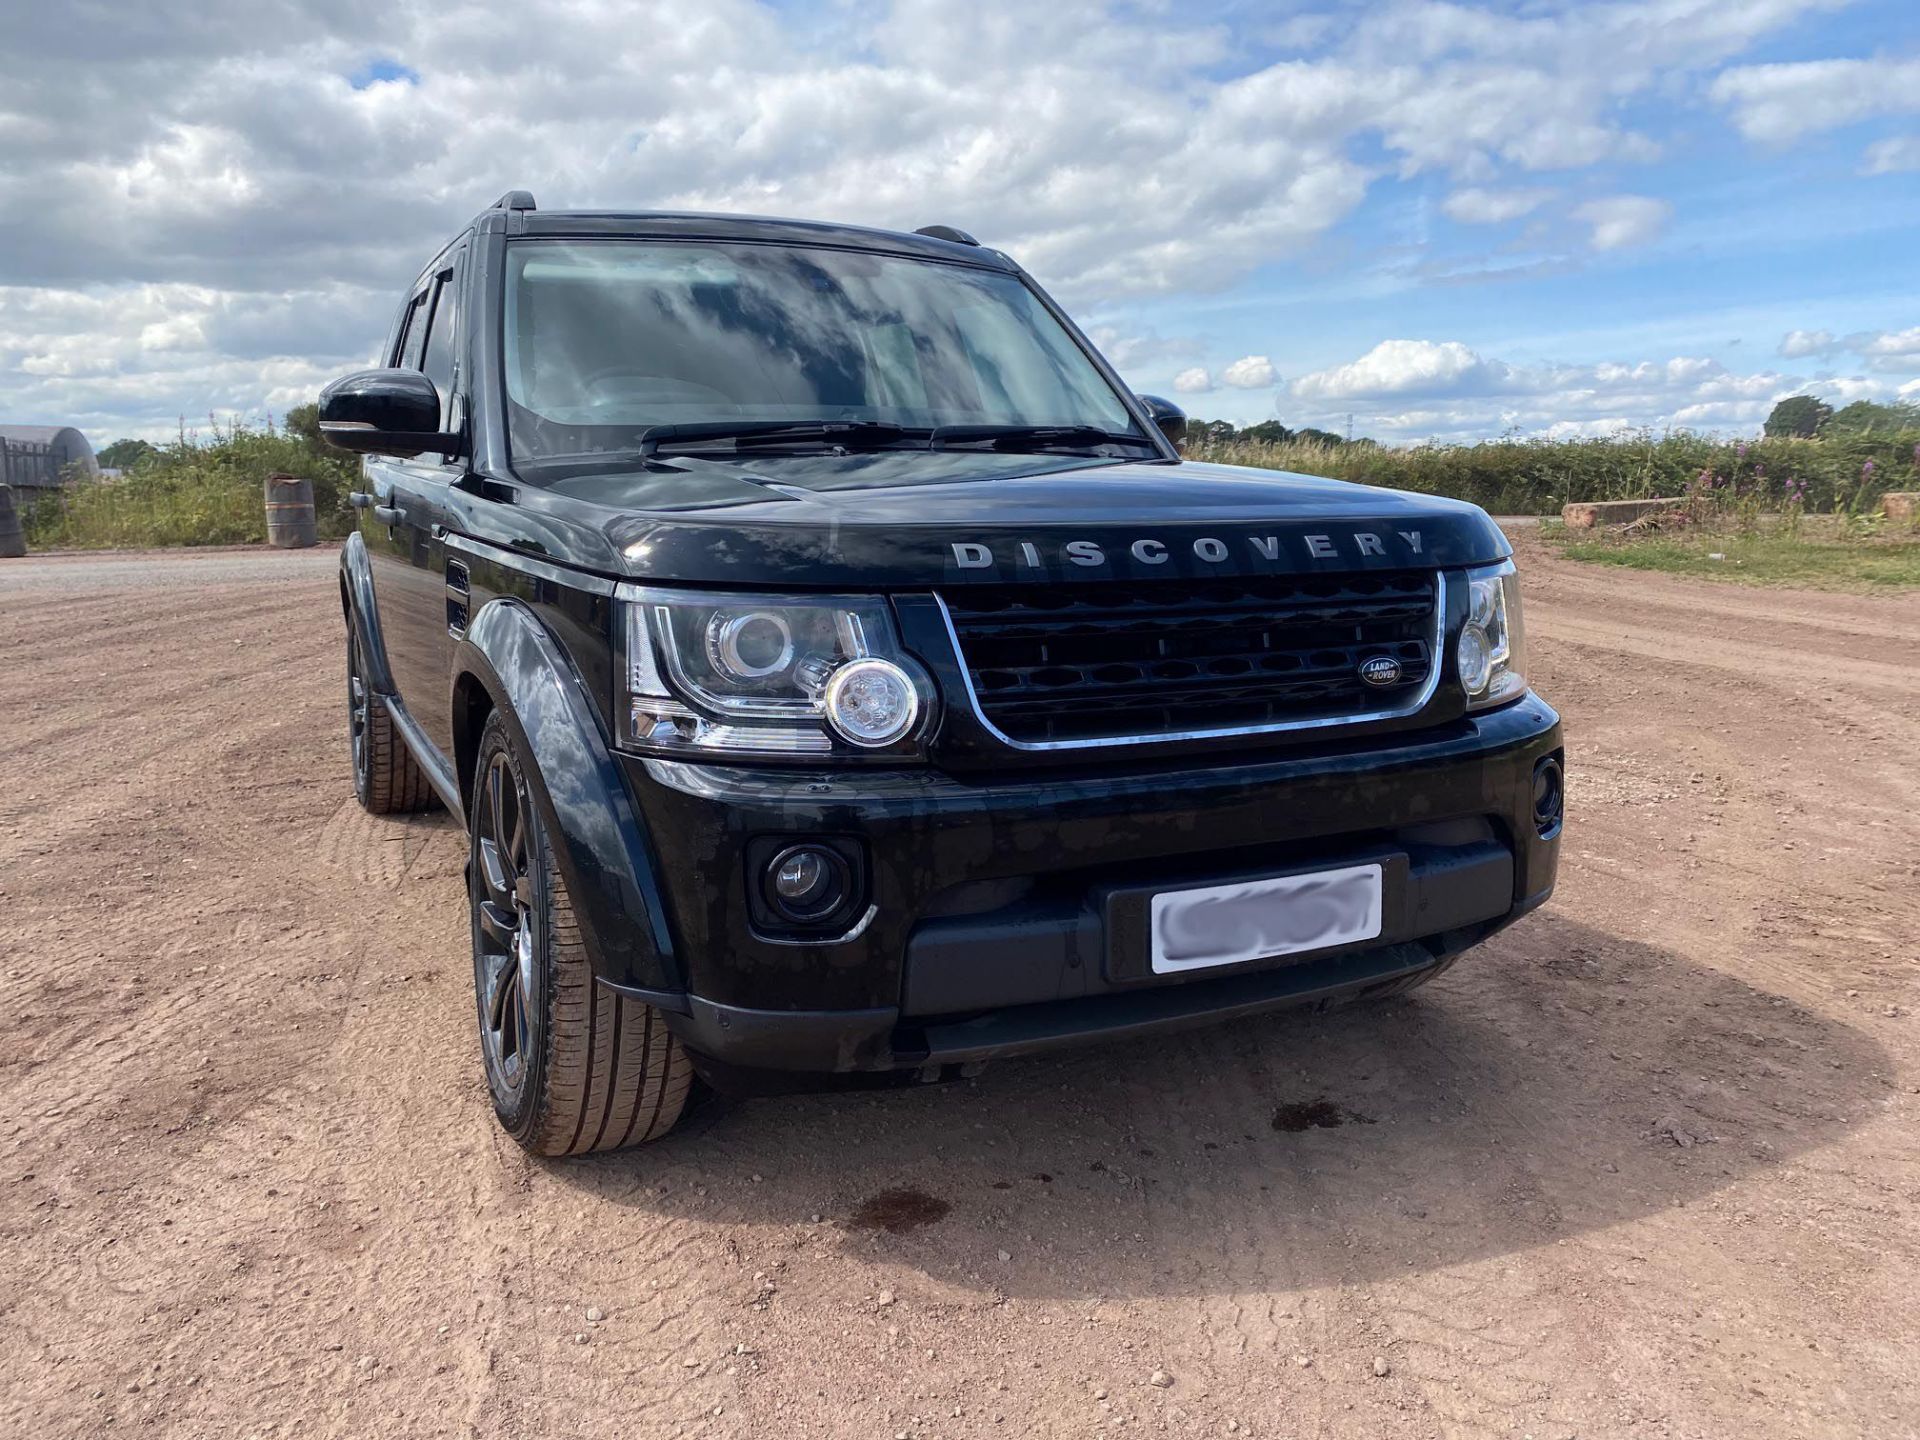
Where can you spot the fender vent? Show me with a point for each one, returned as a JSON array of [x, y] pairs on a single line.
[[459, 597]]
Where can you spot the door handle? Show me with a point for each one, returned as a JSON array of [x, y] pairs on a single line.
[[359, 499], [387, 514]]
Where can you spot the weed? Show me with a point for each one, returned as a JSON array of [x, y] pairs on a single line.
[[1513, 476], [197, 490]]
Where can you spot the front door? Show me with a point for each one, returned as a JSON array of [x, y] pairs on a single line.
[[404, 529]]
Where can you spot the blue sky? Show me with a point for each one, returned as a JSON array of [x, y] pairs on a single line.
[[1762, 237], [1447, 220], [383, 70]]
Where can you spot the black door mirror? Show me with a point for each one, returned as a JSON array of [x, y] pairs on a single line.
[[1171, 419], [384, 412]]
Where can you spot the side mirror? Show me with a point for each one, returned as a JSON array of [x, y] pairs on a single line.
[[385, 412], [1171, 419]]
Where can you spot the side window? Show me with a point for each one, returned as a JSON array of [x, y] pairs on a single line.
[[397, 339], [436, 360], [413, 330]]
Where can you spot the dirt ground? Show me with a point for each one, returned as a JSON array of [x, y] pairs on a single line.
[[1646, 1165]]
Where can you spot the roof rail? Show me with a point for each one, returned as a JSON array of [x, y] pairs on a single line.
[[947, 232], [515, 200]]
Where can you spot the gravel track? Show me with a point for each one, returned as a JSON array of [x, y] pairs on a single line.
[[1646, 1165]]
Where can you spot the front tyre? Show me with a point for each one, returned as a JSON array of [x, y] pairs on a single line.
[[573, 1067]]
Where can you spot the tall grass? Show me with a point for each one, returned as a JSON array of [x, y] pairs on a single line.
[[196, 490], [1846, 474], [206, 489]]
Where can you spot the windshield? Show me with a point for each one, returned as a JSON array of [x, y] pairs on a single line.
[[606, 339]]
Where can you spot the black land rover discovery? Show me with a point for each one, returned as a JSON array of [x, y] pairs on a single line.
[[840, 673]]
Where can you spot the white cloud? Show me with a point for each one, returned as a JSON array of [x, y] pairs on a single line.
[[1002, 117], [1474, 206], [1397, 367], [1783, 102], [1598, 428], [1889, 343], [1885, 351], [140, 359], [1841, 389], [1620, 221], [1895, 155], [1195, 380], [1406, 390], [1250, 372], [1796, 344], [1133, 347]]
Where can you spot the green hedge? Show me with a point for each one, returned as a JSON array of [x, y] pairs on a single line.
[[207, 491], [1536, 477], [197, 491]]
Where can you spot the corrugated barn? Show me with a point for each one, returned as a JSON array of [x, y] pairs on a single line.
[[36, 457]]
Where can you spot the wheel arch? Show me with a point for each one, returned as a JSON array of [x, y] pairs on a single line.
[[473, 702], [508, 662], [362, 615]]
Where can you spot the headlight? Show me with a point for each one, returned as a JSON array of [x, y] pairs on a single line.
[[1492, 648], [768, 676]]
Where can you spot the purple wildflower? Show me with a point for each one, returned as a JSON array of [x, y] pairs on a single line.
[[1866, 470], [1741, 450]]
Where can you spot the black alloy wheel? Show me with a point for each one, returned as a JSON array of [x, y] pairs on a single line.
[[509, 944], [573, 1065], [359, 706]]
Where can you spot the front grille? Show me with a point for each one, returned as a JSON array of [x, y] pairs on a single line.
[[1066, 663]]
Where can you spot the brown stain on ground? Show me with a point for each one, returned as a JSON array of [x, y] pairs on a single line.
[[1320, 1114], [898, 1211]]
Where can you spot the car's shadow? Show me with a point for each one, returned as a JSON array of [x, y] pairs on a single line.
[[1558, 1081]]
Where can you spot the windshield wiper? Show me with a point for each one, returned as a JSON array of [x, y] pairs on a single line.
[[1015, 437], [694, 434]]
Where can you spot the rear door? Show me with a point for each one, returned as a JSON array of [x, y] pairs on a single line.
[[405, 528]]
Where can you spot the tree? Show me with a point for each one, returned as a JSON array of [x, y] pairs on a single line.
[[304, 421], [1801, 416], [1209, 431], [1267, 432], [1311, 436], [125, 454], [1863, 417]]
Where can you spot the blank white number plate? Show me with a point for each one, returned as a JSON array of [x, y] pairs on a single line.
[[1259, 919]]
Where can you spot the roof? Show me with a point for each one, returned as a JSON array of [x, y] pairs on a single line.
[[691, 225], [36, 434]]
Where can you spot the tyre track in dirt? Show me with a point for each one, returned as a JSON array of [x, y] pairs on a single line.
[[243, 1086]]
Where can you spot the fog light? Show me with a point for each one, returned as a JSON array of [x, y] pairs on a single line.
[[1475, 653], [1549, 798], [801, 877], [806, 882], [871, 702]]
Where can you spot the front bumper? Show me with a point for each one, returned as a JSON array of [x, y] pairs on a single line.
[[994, 927]]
